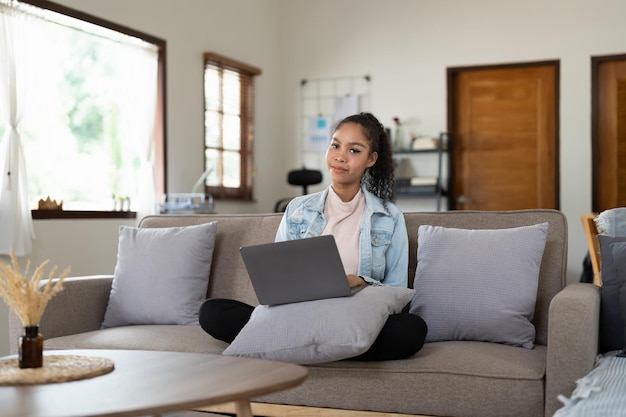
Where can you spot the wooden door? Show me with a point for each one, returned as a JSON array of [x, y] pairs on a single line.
[[608, 132], [504, 125]]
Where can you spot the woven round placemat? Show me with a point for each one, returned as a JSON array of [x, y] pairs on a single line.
[[56, 368]]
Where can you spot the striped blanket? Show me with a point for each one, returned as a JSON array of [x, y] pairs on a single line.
[[602, 392]]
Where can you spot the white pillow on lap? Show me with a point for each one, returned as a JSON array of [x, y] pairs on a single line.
[[161, 276], [319, 331]]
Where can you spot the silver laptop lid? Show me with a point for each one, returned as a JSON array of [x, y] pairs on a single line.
[[296, 270]]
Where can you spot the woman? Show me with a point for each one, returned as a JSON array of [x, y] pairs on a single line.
[[369, 230]]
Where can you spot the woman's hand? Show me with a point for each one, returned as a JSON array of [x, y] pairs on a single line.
[[356, 281]]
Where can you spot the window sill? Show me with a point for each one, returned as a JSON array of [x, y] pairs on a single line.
[[69, 214]]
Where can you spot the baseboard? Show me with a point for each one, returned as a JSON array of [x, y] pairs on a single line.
[[280, 410]]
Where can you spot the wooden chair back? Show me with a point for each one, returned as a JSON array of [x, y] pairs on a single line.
[[591, 232]]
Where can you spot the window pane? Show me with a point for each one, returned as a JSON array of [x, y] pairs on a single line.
[[211, 161], [232, 133], [73, 153], [211, 88], [211, 129], [232, 169], [232, 92]]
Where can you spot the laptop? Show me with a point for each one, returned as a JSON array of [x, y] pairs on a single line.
[[296, 270]]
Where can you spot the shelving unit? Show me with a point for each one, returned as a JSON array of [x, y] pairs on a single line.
[[421, 186]]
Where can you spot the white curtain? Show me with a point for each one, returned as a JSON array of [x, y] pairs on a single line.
[[138, 88], [18, 35]]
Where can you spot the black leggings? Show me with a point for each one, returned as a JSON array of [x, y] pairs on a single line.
[[402, 335]]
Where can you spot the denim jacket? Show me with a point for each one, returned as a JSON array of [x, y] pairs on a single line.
[[383, 242]]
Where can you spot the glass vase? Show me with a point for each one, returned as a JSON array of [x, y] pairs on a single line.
[[30, 348], [398, 143]]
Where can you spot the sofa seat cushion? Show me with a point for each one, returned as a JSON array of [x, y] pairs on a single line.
[[144, 337], [445, 378], [481, 359]]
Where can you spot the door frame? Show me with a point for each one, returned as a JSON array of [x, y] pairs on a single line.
[[595, 123], [452, 74]]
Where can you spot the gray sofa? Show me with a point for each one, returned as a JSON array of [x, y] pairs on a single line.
[[450, 378]]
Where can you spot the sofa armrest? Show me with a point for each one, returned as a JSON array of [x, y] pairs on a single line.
[[79, 308], [574, 322]]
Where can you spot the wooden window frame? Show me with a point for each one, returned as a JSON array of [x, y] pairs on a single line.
[[245, 190]]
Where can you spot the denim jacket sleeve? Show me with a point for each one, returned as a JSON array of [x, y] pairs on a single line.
[[302, 218], [281, 233], [389, 242], [397, 256]]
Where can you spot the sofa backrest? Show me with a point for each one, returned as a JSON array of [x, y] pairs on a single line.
[[228, 277]]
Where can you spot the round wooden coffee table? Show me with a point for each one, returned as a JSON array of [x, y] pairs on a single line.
[[151, 382]]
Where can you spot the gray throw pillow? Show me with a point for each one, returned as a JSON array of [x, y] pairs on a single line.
[[479, 285], [161, 276], [319, 331], [611, 322]]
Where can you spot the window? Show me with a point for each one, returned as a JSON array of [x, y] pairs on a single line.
[[228, 126], [94, 137]]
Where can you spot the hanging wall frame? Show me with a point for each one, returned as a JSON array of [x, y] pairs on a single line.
[[325, 101]]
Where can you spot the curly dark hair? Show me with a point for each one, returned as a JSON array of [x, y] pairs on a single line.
[[378, 179]]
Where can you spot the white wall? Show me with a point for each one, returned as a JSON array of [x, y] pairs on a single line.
[[404, 45], [407, 45]]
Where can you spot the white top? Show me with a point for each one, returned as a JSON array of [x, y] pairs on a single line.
[[343, 221]]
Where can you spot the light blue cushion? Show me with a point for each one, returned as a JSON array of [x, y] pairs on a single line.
[[319, 331], [161, 276], [612, 222], [479, 285]]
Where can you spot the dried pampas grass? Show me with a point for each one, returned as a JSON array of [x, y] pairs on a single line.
[[24, 296]]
